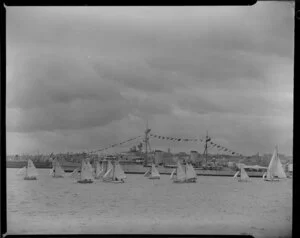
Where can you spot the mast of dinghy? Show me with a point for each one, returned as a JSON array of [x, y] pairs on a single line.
[[205, 147], [147, 131]]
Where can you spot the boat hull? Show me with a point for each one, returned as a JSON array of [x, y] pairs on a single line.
[[272, 180], [113, 181], [85, 181], [60, 176], [240, 180], [154, 177], [30, 178], [192, 180], [178, 181]]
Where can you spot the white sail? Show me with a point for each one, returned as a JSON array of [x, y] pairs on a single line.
[[244, 175], [119, 172], [180, 172], [31, 170], [22, 171], [173, 174], [275, 168], [86, 173], [190, 172], [154, 171], [57, 170], [90, 167]]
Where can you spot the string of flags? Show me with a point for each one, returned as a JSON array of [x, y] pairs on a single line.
[[115, 145], [210, 143]]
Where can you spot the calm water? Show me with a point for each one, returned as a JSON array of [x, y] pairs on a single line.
[[213, 205]]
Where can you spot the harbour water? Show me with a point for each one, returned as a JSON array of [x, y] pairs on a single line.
[[213, 205]]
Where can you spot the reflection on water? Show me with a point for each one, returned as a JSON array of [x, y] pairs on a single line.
[[213, 204]]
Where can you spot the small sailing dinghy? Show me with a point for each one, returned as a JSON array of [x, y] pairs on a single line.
[[243, 176], [31, 172], [86, 175], [275, 170], [56, 171], [178, 175], [114, 174], [152, 173], [191, 176]]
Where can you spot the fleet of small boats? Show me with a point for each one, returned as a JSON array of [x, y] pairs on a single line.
[[110, 171]]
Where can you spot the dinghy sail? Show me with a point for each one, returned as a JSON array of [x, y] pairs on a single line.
[[191, 175], [154, 173], [56, 171], [31, 172], [242, 174], [86, 175], [275, 170], [179, 174]]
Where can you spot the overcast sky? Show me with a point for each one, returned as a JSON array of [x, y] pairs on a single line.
[[81, 78]]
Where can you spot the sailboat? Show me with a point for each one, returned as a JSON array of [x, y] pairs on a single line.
[[178, 175], [114, 174], [31, 172], [86, 175], [191, 175], [152, 173], [56, 171], [275, 170], [243, 175]]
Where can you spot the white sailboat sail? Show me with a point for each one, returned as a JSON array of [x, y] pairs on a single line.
[[154, 172], [190, 172], [244, 175], [90, 167], [31, 170], [180, 172], [57, 170], [275, 168], [119, 172], [86, 173]]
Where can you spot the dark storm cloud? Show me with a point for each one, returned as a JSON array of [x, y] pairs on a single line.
[[75, 69]]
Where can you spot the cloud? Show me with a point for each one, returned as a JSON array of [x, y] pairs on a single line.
[[93, 76]]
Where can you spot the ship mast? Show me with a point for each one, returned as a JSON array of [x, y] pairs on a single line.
[[205, 147], [147, 131]]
